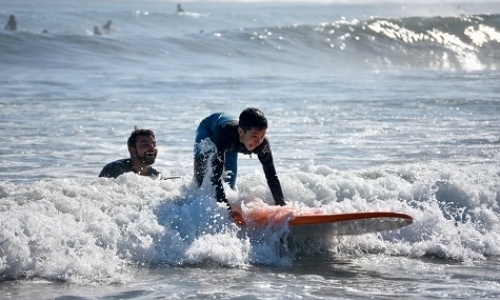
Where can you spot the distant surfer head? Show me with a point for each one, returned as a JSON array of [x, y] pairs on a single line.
[[142, 146], [252, 128]]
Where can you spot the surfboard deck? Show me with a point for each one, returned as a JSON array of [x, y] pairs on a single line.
[[353, 223]]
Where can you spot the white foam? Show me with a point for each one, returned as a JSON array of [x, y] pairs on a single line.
[[65, 229]]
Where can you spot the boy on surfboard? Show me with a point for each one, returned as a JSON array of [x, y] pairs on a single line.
[[219, 139], [142, 148]]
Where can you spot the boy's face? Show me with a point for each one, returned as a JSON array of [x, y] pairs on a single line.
[[252, 138]]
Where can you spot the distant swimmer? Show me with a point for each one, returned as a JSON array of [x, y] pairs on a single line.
[[142, 148], [107, 27], [179, 8], [96, 31], [11, 23]]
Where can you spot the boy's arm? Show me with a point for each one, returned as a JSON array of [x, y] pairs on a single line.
[[275, 186], [266, 158], [217, 169]]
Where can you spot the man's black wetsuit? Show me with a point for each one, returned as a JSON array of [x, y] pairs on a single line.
[[117, 168], [223, 132]]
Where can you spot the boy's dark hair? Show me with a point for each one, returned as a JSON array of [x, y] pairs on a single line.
[[132, 140], [252, 118]]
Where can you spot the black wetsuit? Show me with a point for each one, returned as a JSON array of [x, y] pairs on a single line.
[[223, 132], [117, 168]]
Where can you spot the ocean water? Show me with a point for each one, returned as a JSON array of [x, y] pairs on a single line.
[[372, 107]]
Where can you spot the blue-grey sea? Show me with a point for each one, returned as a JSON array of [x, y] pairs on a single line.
[[372, 107]]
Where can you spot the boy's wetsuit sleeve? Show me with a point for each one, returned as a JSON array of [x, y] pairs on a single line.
[[218, 167], [266, 158]]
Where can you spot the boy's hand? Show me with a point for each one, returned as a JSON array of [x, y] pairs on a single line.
[[237, 218]]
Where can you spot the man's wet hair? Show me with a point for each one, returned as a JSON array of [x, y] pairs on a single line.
[[252, 118], [132, 140]]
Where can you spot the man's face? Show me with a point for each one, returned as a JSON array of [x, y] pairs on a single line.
[[145, 149], [252, 138]]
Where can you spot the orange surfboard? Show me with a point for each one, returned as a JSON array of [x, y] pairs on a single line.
[[339, 223]]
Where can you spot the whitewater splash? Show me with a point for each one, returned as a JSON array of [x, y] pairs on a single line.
[[65, 229], [382, 138]]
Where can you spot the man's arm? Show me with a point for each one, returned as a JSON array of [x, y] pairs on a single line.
[[113, 169], [153, 173], [109, 172]]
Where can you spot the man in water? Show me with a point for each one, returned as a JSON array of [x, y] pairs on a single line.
[[143, 151], [11, 23], [107, 27], [219, 138]]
